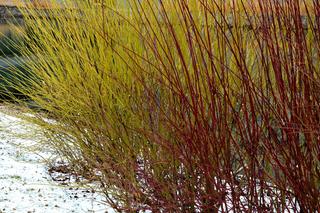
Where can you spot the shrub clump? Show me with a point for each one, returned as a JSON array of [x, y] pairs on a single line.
[[192, 106]]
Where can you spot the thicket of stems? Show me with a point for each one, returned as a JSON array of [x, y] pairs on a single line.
[[192, 106]]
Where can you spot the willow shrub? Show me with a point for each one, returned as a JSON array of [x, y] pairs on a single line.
[[182, 105]]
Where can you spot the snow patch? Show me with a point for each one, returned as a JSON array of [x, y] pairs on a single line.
[[26, 186]]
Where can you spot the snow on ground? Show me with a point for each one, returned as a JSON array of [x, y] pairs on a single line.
[[25, 185]]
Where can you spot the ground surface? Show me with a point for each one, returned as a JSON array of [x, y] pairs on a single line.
[[26, 186]]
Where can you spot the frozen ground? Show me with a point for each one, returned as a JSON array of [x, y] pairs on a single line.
[[26, 186]]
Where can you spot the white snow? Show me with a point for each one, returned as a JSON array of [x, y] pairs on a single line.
[[26, 186]]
